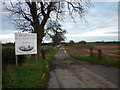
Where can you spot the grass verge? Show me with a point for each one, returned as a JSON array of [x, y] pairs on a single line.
[[30, 74], [94, 59], [103, 61]]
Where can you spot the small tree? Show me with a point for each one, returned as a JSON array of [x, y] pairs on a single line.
[[71, 42], [55, 32], [57, 38]]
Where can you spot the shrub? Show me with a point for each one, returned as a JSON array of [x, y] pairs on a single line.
[[8, 57], [82, 42]]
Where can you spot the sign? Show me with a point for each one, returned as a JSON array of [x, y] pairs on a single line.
[[25, 43]]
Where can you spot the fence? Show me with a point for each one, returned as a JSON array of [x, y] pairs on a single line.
[[108, 53], [98, 54]]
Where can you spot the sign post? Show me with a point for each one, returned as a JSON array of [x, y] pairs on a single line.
[[16, 60], [25, 43], [36, 59]]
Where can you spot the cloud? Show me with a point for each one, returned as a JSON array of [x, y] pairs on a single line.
[[101, 21], [7, 37], [114, 32], [104, 0], [92, 37]]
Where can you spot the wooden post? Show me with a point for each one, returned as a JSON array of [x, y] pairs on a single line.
[[99, 53], [91, 52], [36, 59], [42, 54], [16, 60]]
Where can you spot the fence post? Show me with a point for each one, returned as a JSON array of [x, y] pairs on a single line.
[[36, 59], [43, 54], [16, 60], [99, 53], [91, 52]]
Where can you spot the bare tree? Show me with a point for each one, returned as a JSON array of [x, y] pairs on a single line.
[[55, 32], [32, 15]]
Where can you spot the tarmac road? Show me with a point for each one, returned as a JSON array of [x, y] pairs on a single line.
[[68, 72]]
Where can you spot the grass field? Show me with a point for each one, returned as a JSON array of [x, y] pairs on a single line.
[[30, 74], [103, 44]]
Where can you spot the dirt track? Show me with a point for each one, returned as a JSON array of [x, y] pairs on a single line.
[[71, 73]]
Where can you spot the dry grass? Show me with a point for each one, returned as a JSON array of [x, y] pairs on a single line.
[[80, 49], [110, 56], [108, 52]]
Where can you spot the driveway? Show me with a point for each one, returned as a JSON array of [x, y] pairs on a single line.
[[68, 72]]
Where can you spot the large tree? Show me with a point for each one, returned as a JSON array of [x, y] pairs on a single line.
[[32, 15]]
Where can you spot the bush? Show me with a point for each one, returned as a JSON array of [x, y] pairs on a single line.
[[8, 57], [82, 42]]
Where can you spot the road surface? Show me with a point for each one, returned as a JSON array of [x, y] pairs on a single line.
[[68, 72]]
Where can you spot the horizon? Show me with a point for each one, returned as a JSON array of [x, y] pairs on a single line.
[[74, 42]]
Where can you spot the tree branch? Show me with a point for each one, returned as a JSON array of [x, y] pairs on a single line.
[[42, 9]]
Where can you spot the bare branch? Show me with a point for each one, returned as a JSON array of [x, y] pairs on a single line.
[[42, 9]]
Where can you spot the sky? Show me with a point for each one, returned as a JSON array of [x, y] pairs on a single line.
[[102, 24]]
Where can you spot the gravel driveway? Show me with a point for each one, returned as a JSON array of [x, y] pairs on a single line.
[[68, 72]]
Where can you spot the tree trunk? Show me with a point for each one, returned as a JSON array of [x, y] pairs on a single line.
[[40, 35], [39, 29]]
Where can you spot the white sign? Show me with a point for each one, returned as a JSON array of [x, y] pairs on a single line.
[[25, 43]]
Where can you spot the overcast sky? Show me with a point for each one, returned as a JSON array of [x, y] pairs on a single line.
[[102, 24]]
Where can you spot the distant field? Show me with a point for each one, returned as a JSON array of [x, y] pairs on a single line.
[[103, 44], [109, 51], [8, 47], [110, 54]]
